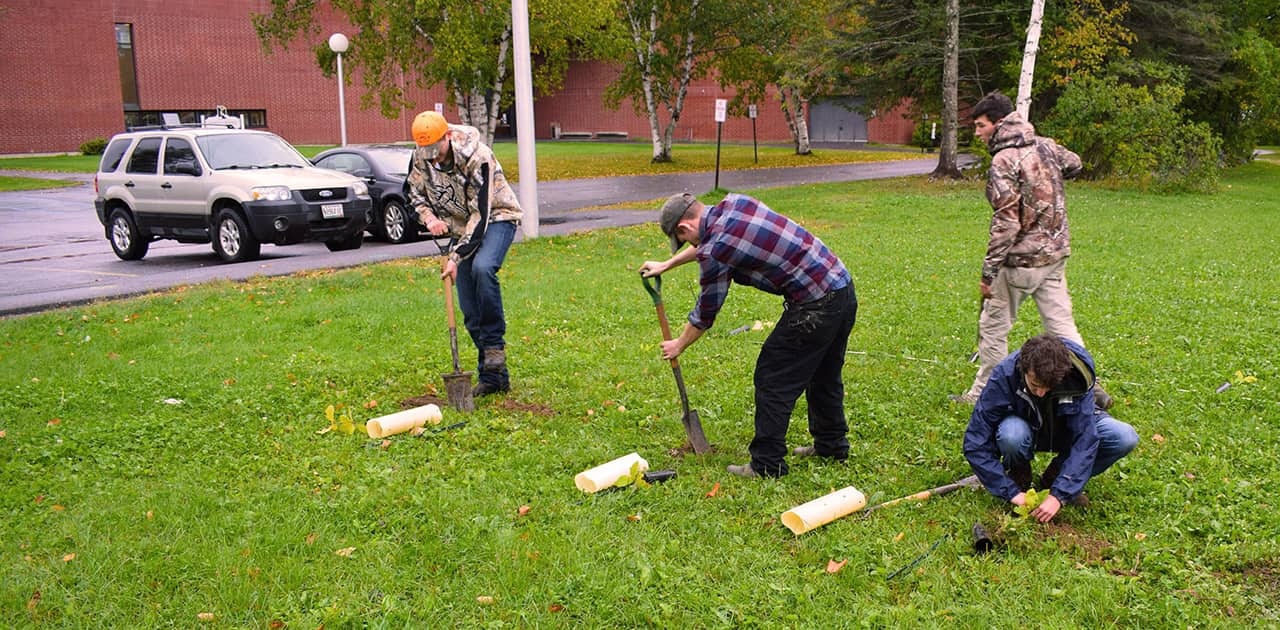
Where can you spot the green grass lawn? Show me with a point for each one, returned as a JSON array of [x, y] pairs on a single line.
[[162, 456], [8, 183]]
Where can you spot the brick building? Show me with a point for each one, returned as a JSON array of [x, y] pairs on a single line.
[[74, 71]]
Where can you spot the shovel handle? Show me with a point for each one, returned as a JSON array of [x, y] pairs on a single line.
[[655, 292], [448, 302]]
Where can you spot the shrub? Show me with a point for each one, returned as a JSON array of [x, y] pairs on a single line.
[[1136, 134], [94, 147]]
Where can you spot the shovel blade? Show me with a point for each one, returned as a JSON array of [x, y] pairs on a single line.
[[693, 429], [458, 388]]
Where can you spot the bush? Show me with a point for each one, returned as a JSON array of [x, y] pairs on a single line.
[[94, 147], [1136, 134], [920, 136]]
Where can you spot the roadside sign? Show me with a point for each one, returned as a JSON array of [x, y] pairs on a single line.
[[722, 106], [440, 108], [751, 111]]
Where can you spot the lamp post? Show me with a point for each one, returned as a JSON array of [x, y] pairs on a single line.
[[338, 43]]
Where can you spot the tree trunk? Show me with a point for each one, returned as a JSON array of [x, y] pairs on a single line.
[[793, 111], [1029, 59], [950, 78]]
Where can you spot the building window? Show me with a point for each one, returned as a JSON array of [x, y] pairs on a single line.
[[253, 118], [128, 70]]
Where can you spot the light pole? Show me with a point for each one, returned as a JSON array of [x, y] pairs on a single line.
[[338, 43]]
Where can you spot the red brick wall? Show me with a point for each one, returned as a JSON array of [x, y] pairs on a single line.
[[578, 106], [60, 86], [892, 127], [52, 97]]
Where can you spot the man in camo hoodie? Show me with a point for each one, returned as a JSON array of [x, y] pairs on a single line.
[[1029, 243], [457, 188]]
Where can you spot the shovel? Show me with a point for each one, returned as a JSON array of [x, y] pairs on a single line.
[[982, 305], [692, 426], [457, 384]]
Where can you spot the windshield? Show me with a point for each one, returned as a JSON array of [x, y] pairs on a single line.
[[394, 161], [249, 150]]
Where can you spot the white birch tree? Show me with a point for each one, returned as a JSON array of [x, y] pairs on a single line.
[[1023, 104]]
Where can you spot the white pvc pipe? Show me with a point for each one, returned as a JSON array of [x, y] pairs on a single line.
[[400, 422], [823, 510], [608, 473]]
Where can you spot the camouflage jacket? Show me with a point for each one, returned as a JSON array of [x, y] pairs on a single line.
[[1024, 186], [454, 194]]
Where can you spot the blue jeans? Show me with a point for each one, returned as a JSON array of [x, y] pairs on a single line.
[[1116, 439], [480, 297]]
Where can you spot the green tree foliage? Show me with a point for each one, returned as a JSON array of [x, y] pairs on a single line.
[[1229, 53], [1136, 133], [463, 44], [790, 50], [664, 45]]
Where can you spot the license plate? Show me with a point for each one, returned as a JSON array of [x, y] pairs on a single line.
[[331, 210]]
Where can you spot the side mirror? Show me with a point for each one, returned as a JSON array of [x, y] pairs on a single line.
[[187, 167]]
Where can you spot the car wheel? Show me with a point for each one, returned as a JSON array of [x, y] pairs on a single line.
[[126, 239], [232, 240], [351, 242], [397, 226]]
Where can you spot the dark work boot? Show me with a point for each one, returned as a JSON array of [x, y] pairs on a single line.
[[1021, 475], [495, 359], [1101, 398]]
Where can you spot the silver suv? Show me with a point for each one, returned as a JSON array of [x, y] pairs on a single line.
[[235, 188]]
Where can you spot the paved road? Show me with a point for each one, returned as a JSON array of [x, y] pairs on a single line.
[[53, 252]]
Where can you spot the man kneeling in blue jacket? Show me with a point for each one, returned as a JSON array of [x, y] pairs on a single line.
[[1040, 398]]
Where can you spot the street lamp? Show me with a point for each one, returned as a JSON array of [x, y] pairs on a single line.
[[338, 43]]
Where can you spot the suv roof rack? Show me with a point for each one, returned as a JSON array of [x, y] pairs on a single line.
[[163, 127]]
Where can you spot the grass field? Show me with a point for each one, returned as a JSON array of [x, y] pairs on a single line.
[[164, 464]]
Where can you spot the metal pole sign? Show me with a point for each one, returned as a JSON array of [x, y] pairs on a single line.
[[722, 108], [440, 108], [755, 147]]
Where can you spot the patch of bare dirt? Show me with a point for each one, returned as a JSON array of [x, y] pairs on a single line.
[[425, 399], [1091, 548]]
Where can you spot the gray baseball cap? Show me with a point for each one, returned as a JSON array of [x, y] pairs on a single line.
[[672, 211]]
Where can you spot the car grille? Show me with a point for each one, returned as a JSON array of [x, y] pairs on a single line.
[[316, 195]]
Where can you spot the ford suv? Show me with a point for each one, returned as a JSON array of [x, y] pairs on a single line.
[[235, 188]]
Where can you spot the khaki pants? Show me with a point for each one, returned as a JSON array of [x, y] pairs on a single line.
[[1047, 286]]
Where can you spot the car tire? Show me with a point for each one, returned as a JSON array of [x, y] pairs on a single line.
[[126, 239], [351, 242], [232, 240], [396, 226]]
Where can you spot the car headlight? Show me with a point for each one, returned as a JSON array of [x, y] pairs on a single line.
[[271, 193], [361, 189]]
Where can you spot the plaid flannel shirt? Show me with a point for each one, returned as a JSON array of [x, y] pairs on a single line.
[[743, 241]]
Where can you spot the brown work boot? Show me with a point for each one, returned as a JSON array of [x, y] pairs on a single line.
[[495, 358], [804, 451], [1021, 476], [745, 470]]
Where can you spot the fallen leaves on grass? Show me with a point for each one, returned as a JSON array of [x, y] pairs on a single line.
[[69, 557], [524, 509], [714, 489], [311, 538], [54, 422], [1157, 438], [345, 552], [634, 517], [34, 601], [1139, 536], [484, 600], [555, 608], [370, 404], [834, 567], [206, 616]]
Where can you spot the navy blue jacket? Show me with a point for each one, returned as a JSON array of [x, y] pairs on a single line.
[[1062, 422]]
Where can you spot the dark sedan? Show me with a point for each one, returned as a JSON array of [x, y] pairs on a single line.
[[384, 167]]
